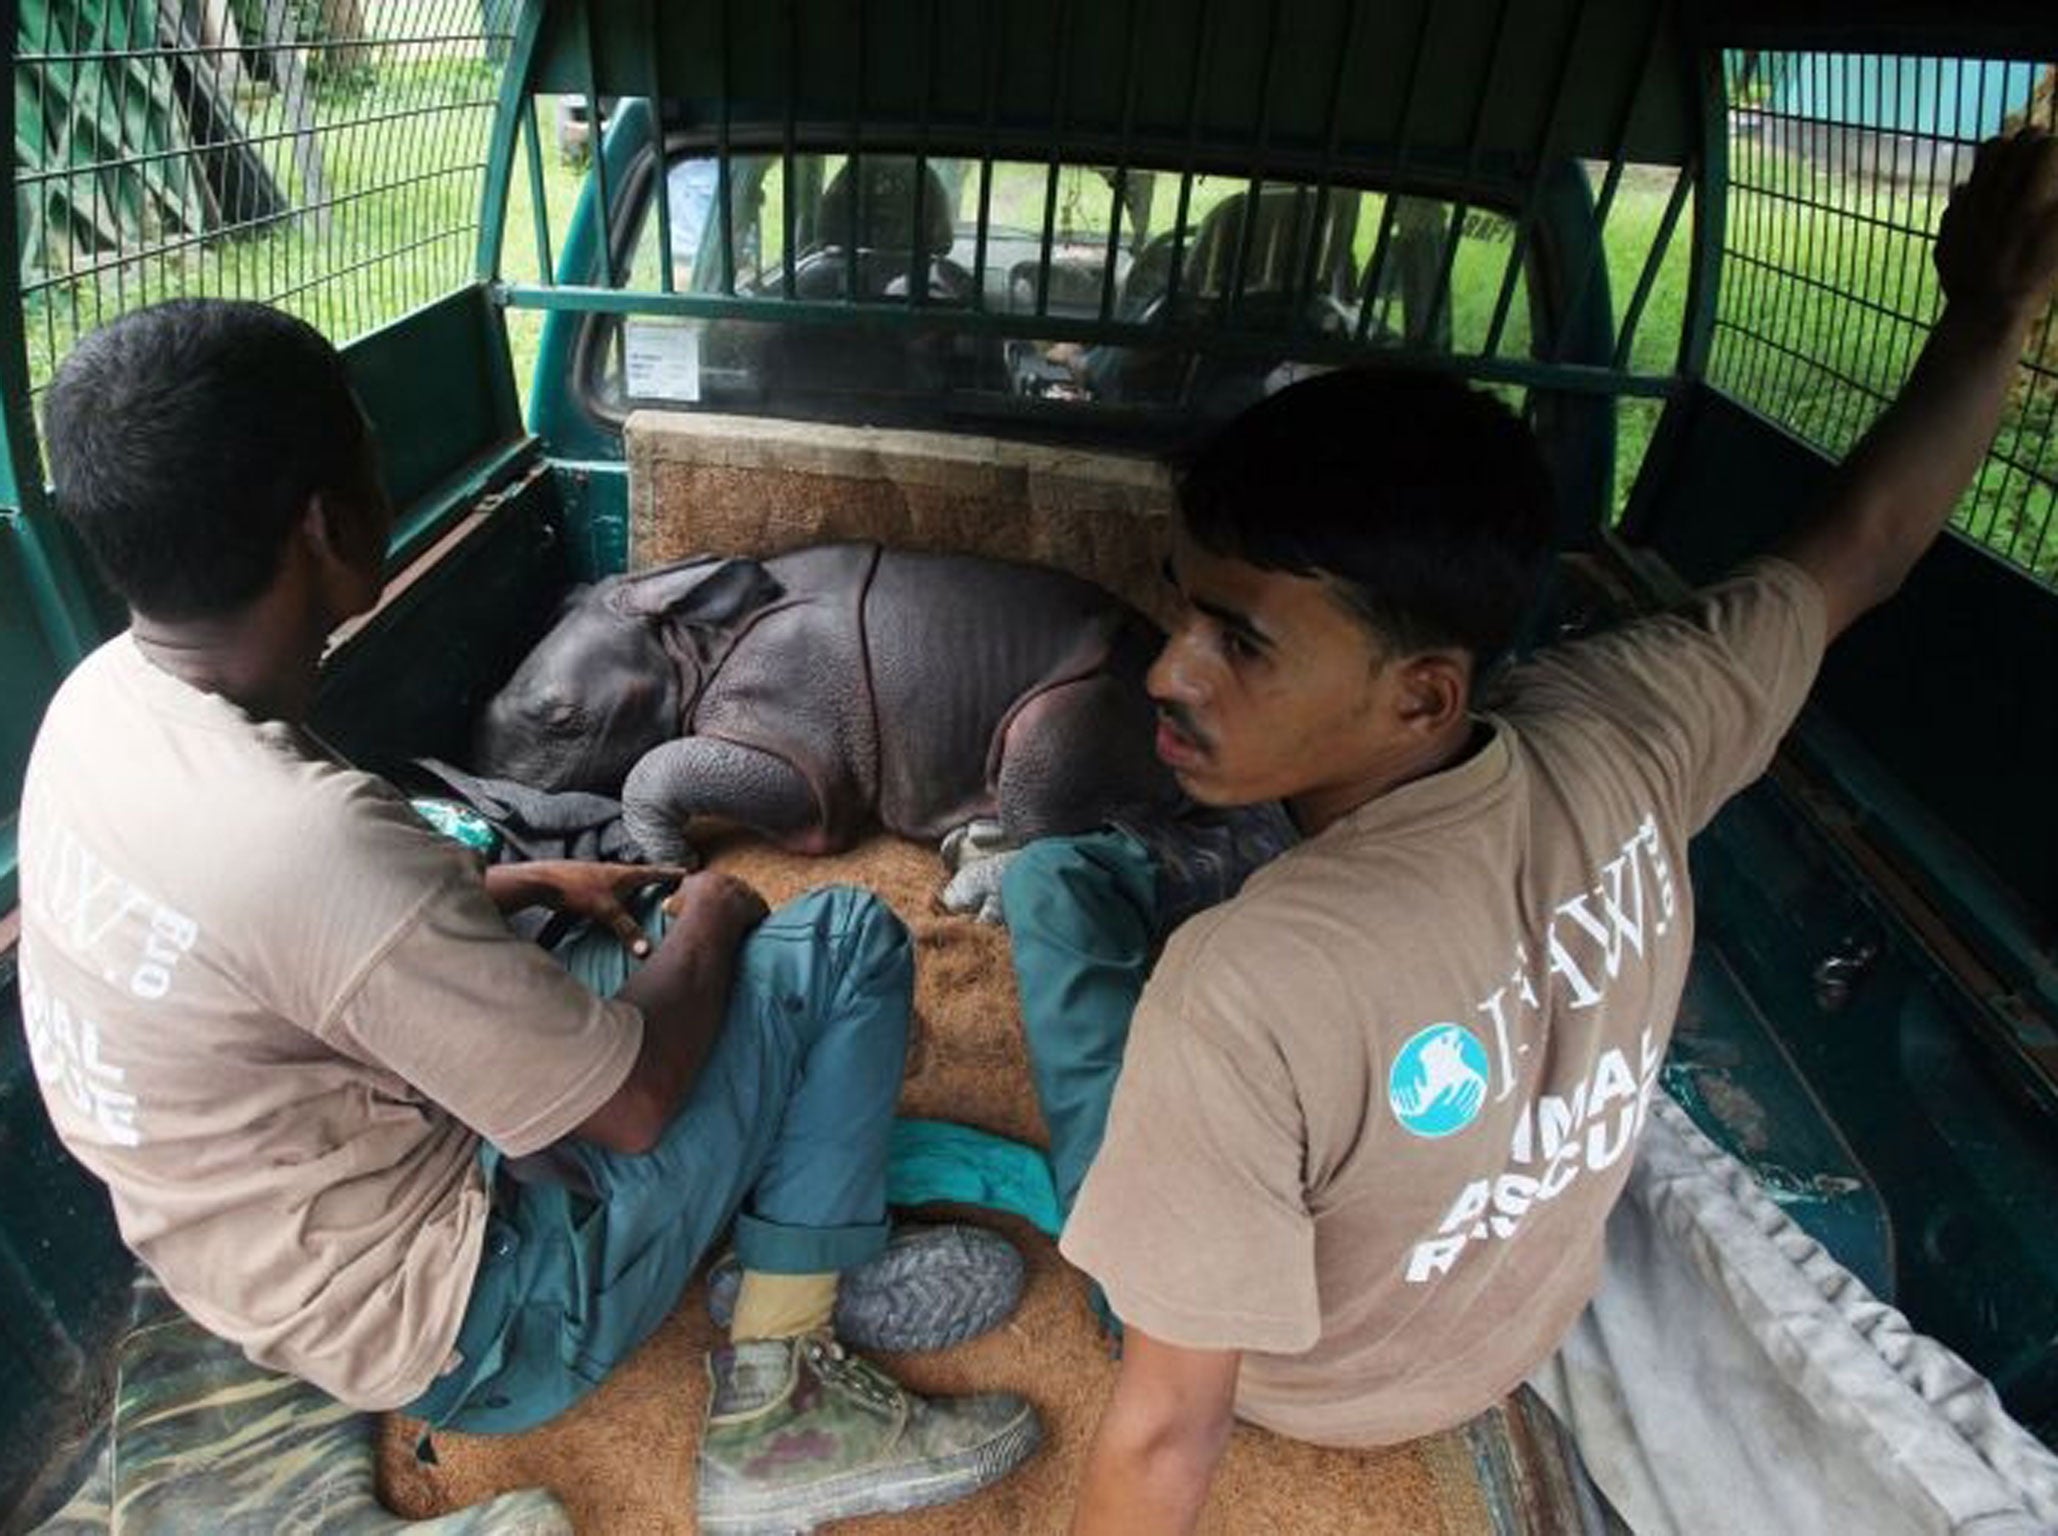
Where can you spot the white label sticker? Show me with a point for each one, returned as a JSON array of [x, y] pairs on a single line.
[[663, 359]]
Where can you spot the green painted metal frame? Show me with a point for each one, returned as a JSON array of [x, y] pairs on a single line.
[[1053, 105], [30, 554], [62, 612]]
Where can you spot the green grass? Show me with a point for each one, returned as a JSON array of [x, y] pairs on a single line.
[[400, 163]]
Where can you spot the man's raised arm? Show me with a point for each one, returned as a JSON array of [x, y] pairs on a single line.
[[1997, 259]]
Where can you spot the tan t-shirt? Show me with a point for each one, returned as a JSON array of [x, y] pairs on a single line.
[[1373, 1111], [275, 1013]]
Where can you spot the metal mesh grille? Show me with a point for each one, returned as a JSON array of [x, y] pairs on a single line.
[[1499, 188], [1839, 169], [323, 155]]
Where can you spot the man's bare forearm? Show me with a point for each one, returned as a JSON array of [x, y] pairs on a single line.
[[1996, 259], [682, 991], [1160, 1437], [1897, 488], [1151, 1487]]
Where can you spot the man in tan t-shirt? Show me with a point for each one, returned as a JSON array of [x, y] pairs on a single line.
[[284, 1022], [1374, 1109]]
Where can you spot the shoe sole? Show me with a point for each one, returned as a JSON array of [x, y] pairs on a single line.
[[931, 1288], [859, 1493]]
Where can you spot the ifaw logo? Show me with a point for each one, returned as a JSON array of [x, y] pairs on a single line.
[[1438, 1081]]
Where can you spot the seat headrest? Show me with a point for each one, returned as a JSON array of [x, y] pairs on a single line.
[[1275, 245], [886, 206]]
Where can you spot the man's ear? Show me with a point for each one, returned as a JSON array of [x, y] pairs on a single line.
[[318, 526], [342, 543], [338, 528], [1435, 690]]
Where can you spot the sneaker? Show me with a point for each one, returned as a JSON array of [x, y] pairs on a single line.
[[929, 1288], [800, 1433]]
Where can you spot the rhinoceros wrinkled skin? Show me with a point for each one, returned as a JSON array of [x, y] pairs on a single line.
[[817, 694]]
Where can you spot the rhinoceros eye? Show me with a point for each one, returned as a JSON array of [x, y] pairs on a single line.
[[563, 715]]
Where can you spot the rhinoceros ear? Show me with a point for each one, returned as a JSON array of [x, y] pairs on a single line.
[[706, 591]]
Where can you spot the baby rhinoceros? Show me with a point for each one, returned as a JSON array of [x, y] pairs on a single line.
[[816, 694]]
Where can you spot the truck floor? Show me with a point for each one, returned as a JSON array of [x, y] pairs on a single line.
[[622, 1461]]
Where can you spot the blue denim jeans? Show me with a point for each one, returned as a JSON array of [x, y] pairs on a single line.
[[784, 1134]]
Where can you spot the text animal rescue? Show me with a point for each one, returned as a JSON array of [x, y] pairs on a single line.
[[1589, 1127], [107, 923]]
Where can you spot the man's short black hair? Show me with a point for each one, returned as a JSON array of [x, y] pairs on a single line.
[[185, 440], [1425, 501]]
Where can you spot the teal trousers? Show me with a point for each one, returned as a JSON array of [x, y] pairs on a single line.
[[784, 1136], [1082, 916]]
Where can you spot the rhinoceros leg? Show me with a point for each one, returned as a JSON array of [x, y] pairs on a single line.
[[705, 776], [977, 854], [1075, 755]]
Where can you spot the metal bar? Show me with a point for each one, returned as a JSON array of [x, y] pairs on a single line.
[[42, 217], [1783, 243], [2049, 482], [1595, 253], [1795, 355], [1325, 176], [1914, 241], [1625, 335], [1119, 183], [596, 146], [172, 246], [77, 322], [918, 253], [21, 474], [851, 165], [1777, 194], [223, 50], [1461, 207], [789, 237], [725, 209], [1854, 300], [2025, 468], [2033, 371], [121, 130], [1375, 271], [652, 16], [1547, 143], [1061, 27], [337, 274], [2005, 489], [1247, 231], [1758, 299], [989, 115], [1203, 44], [1865, 232], [1736, 294], [539, 196], [1584, 378], [1979, 483], [1846, 168], [514, 108]]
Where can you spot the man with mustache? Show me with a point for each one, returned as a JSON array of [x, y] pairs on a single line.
[[1373, 1110]]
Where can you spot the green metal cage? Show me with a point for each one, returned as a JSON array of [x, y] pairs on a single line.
[[1840, 166]]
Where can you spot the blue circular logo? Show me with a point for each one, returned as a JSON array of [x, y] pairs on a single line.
[[1438, 1082]]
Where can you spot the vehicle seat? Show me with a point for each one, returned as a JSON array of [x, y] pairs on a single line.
[[1268, 300], [878, 208]]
